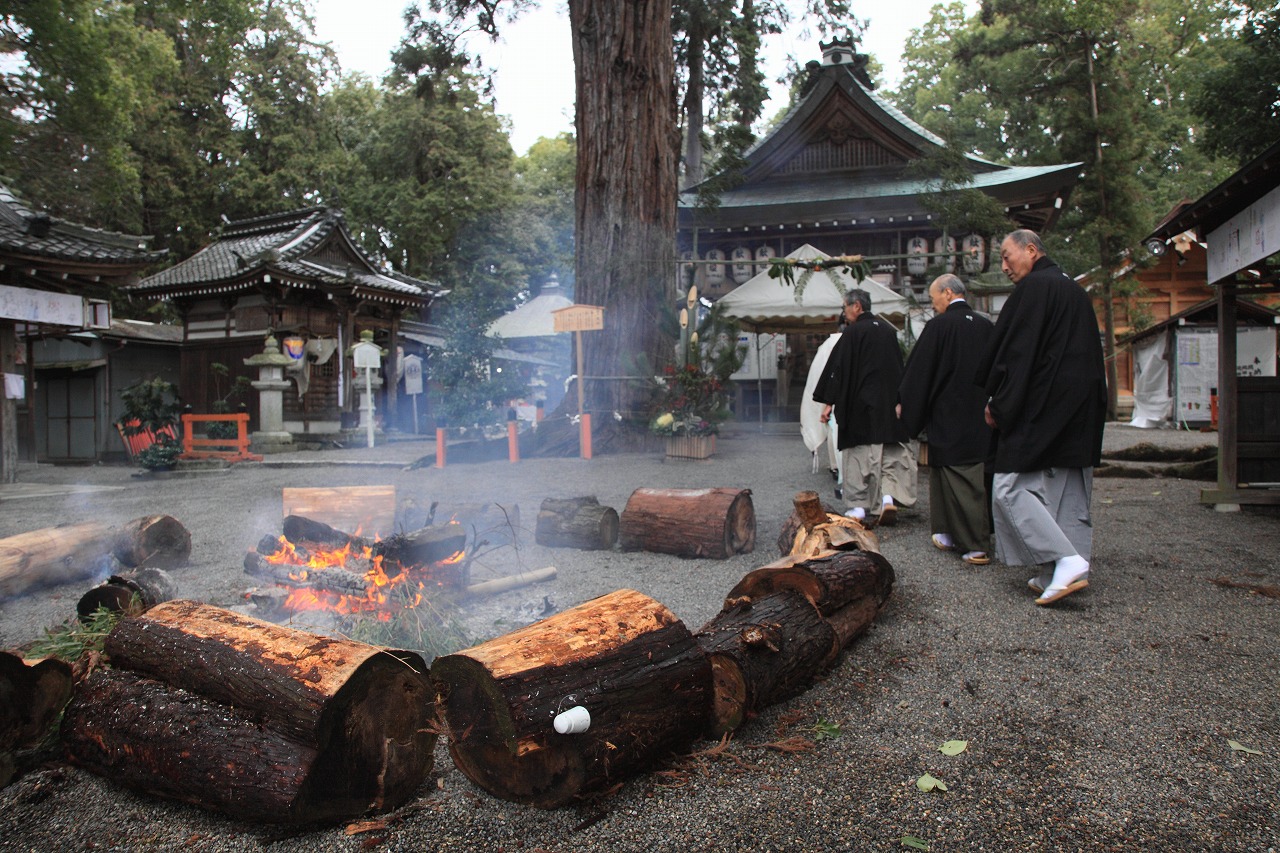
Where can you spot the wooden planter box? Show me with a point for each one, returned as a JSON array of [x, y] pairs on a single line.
[[691, 446]]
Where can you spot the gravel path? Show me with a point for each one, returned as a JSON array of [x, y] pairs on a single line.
[[1099, 724]]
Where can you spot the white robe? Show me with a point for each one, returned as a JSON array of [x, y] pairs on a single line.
[[812, 429]]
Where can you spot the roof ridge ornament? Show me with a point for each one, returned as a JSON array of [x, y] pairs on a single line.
[[844, 52]]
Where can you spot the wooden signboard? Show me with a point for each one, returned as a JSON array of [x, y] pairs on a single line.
[[578, 318]]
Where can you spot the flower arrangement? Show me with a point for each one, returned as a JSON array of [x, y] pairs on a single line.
[[691, 402], [692, 398]]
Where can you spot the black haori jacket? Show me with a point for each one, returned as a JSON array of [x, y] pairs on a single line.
[[861, 383], [1044, 373], [938, 392]]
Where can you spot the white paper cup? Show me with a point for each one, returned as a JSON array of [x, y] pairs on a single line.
[[571, 722]]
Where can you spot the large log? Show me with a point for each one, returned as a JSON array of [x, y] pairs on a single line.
[[55, 555], [422, 547], [576, 523], [831, 581], [129, 592], [88, 550], [716, 523], [254, 719], [762, 651], [32, 695], [623, 657]]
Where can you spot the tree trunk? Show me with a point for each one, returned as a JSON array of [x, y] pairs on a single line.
[[716, 523], [254, 719], [762, 651], [424, 548], [33, 697], [831, 581], [624, 657], [626, 183], [128, 592], [576, 523]]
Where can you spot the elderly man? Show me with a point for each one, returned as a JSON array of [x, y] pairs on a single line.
[[860, 385], [937, 393], [1044, 374]]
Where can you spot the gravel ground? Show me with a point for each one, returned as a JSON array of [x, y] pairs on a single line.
[[1101, 723]]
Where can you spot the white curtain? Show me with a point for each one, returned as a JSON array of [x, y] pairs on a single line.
[[1152, 403]]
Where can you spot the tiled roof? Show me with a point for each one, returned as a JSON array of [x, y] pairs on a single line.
[[281, 244], [870, 186], [38, 235]]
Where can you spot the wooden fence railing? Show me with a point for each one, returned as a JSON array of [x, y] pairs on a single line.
[[232, 449]]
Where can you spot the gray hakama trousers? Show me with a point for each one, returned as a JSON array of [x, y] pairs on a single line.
[[1041, 516], [958, 505], [872, 471]]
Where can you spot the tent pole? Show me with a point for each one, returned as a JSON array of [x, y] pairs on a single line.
[[759, 385]]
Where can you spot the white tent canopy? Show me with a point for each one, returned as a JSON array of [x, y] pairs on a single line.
[[764, 304]]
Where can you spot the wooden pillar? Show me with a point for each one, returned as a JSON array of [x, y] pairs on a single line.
[[391, 390], [8, 408], [1228, 402]]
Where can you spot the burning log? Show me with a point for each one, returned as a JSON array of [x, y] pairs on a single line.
[[514, 705], [304, 531], [34, 695], [832, 581], [576, 523], [763, 651], [423, 547], [132, 592], [716, 523], [333, 579], [77, 552], [252, 719]]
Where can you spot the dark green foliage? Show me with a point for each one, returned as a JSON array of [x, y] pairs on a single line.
[[151, 404], [1240, 96], [475, 388]]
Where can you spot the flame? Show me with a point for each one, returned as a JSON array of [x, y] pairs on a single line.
[[388, 590]]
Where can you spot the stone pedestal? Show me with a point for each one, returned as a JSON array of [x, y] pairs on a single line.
[[272, 437]]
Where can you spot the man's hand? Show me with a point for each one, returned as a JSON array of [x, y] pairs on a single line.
[[986, 413], [897, 411], [826, 413]]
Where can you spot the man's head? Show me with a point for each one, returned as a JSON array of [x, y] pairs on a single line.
[[944, 289], [1019, 253], [856, 303]]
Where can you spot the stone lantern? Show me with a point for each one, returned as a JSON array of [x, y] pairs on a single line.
[[270, 384]]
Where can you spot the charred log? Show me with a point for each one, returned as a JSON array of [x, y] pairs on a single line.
[[576, 523]]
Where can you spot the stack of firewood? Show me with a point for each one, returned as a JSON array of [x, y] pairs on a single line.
[[261, 721]]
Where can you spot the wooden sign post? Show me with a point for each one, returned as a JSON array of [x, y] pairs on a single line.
[[579, 319]]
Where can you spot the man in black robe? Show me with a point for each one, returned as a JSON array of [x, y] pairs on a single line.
[[937, 394], [1044, 374], [860, 385]]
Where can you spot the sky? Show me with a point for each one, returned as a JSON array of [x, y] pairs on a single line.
[[534, 59]]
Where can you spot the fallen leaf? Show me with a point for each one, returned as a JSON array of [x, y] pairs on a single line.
[[927, 783], [914, 843], [1156, 492], [1239, 747], [954, 747]]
